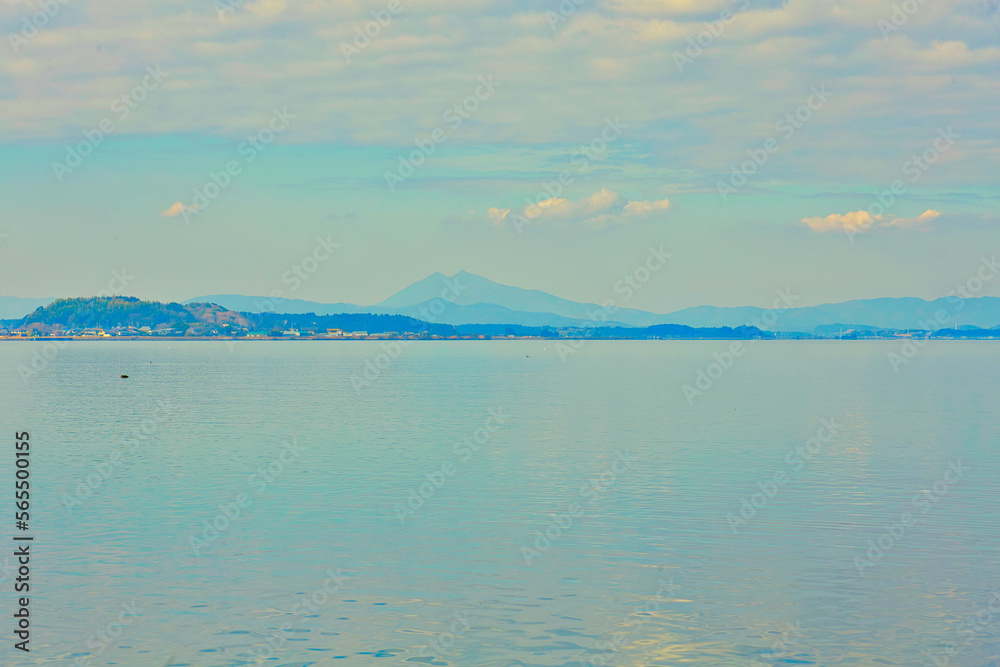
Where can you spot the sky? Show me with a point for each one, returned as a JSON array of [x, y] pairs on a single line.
[[176, 148]]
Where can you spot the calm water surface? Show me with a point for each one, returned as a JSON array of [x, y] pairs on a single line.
[[488, 503]]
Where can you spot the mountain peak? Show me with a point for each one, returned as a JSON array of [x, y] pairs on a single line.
[[474, 289], [474, 278]]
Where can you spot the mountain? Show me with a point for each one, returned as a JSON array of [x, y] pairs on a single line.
[[15, 307], [973, 318], [468, 289], [259, 304], [486, 313], [130, 317], [128, 311], [885, 313], [478, 300]]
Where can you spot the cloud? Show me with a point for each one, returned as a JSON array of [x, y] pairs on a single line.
[[604, 208], [848, 222], [668, 6], [939, 55], [497, 215], [268, 53], [266, 8], [922, 221], [176, 209], [861, 221]]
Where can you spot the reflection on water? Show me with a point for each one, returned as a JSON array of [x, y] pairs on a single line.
[[488, 504]]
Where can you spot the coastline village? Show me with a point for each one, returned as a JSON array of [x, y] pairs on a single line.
[[202, 331], [37, 331], [128, 318]]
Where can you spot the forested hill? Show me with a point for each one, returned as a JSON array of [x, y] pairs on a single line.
[[129, 311], [130, 316]]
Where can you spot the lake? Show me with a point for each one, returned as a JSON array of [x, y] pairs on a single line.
[[509, 503]]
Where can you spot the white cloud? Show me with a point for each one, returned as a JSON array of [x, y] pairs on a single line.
[[497, 215], [604, 208], [938, 55], [922, 221], [612, 57], [862, 221], [668, 6], [177, 208], [266, 8]]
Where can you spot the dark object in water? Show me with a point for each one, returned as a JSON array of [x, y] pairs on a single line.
[[124, 376]]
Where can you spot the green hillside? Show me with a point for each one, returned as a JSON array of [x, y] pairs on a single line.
[[128, 311]]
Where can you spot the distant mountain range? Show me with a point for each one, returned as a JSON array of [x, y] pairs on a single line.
[[885, 313], [471, 299], [478, 300], [129, 318]]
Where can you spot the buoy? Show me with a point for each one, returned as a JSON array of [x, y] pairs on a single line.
[[124, 376]]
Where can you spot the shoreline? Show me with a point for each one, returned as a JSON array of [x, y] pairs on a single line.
[[67, 339]]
